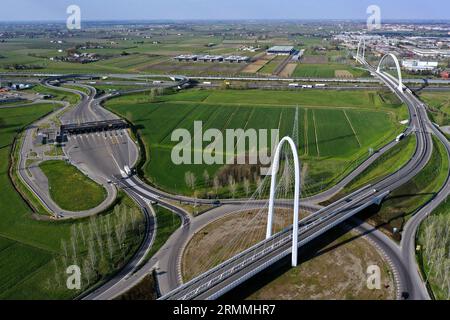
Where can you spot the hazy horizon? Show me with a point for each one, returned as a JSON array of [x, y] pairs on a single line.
[[213, 10]]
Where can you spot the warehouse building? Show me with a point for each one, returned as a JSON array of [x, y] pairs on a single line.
[[211, 58], [187, 57], [281, 50], [237, 59]]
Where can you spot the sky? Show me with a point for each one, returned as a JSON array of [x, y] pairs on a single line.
[[43, 10]]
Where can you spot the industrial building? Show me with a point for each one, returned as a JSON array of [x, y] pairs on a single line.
[[237, 59], [210, 58], [298, 55], [281, 50], [432, 53], [186, 57], [417, 65]]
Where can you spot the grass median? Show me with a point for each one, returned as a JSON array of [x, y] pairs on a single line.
[[70, 188]]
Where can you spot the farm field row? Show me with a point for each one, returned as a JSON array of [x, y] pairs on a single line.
[[371, 100], [330, 139], [328, 71]]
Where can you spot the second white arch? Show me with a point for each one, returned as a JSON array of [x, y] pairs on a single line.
[[274, 171], [397, 65]]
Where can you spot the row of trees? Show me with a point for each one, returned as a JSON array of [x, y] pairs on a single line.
[[100, 246], [435, 239], [217, 184]]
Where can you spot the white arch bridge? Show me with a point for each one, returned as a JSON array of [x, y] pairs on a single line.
[[361, 58], [233, 272]]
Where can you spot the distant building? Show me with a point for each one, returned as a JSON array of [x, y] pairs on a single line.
[[281, 50], [417, 65], [298, 55], [237, 59], [186, 57], [20, 86], [431, 53], [445, 74], [210, 58]]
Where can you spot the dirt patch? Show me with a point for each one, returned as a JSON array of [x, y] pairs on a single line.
[[336, 270], [315, 60], [227, 237], [343, 74], [258, 64], [288, 70]]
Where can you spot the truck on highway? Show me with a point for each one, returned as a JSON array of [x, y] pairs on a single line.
[[400, 137], [127, 170], [293, 85]]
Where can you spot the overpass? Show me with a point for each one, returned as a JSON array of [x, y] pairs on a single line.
[[93, 126]]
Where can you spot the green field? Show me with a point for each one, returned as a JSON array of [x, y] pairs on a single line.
[[334, 134], [270, 67], [70, 188], [32, 258], [439, 104], [57, 94], [121, 56], [385, 165], [325, 70]]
